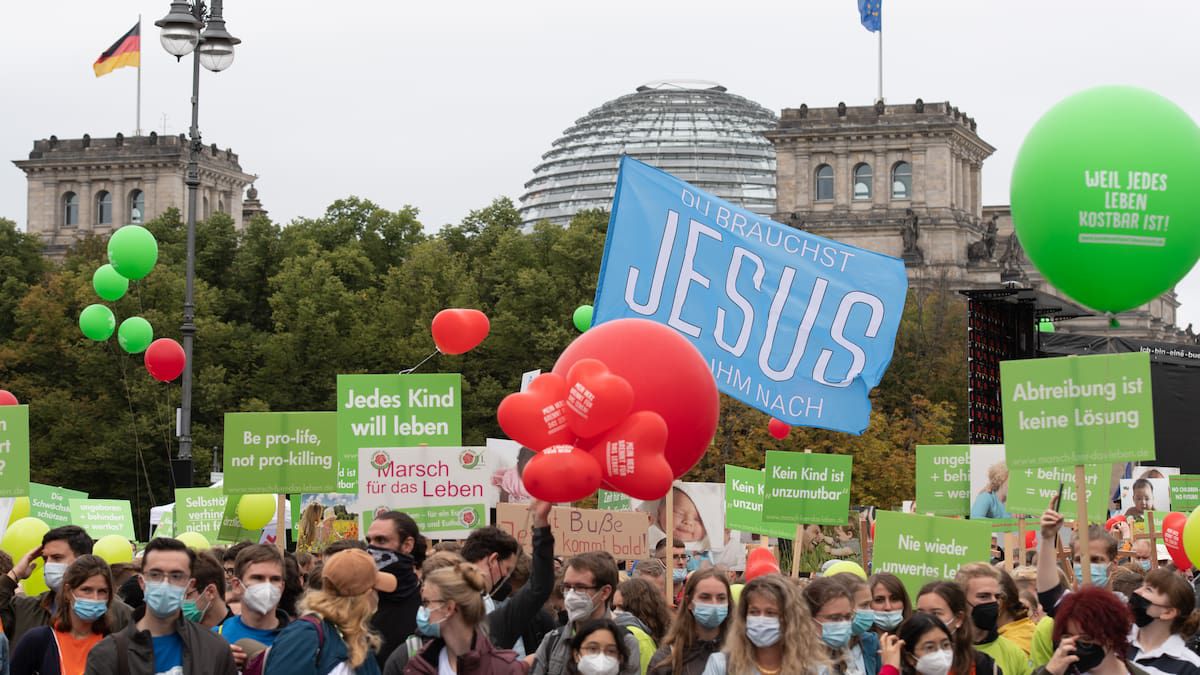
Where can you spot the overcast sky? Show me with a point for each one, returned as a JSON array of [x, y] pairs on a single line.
[[446, 105]]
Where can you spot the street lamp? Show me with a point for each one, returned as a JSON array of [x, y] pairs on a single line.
[[214, 50]]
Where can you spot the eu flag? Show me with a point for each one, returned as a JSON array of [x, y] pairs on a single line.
[[869, 12]]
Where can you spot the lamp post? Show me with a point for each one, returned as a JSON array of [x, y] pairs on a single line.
[[181, 34]]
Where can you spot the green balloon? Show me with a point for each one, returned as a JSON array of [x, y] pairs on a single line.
[[1046, 326], [135, 335], [109, 284], [582, 318], [1106, 196], [133, 251], [97, 322]]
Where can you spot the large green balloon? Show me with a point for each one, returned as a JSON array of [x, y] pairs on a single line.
[[1106, 196], [109, 284], [97, 322], [133, 251], [582, 318], [135, 335]]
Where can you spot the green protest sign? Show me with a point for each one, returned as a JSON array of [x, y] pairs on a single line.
[[807, 488], [200, 510], [944, 480], [1077, 410], [102, 517], [920, 549], [231, 525], [607, 500], [744, 504], [14, 450], [1030, 490], [272, 453], [52, 504], [1185, 492], [166, 526], [394, 411]]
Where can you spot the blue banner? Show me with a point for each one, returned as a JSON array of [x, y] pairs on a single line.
[[796, 325]]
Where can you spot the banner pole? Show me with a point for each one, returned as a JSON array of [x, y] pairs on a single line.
[[669, 532], [280, 528], [797, 546], [1081, 523]]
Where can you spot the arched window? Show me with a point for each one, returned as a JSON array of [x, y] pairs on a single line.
[[902, 181], [70, 209], [824, 186], [137, 207], [862, 181], [104, 208]]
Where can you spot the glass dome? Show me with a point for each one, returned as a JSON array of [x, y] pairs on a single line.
[[696, 131]]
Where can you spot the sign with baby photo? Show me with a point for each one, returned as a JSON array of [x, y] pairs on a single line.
[[699, 516]]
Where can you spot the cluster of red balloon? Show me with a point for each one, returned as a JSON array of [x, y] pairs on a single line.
[[630, 405]]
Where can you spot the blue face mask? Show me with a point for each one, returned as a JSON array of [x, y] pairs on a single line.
[[425, 626], [678, 576], [710, 616], [1099, 574], [164, 598], [1145, 564], [889, 620], [89, 610], [863, 620], [836, 633]]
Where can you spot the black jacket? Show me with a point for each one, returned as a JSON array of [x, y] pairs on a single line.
[[512, 620], [204, 652]]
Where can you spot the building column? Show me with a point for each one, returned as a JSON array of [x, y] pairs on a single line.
[[977, 187], [802, 182], [86, 206], [881, 177], [120, 210], [918, 177], [842, 187]]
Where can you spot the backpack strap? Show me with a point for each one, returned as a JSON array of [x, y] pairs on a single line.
[[319, 624], [121, 639]]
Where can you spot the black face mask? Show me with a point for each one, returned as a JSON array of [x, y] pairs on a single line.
[[1140, 607], [1090, 655], [985, 616], [385, 558]]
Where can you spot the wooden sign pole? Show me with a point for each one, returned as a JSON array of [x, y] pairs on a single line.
[[669, 583], [280, 523], [1021, 540], [797, 546], [1081, 524]]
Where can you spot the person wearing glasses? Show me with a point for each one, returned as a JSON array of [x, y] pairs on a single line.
[[832, 608], [589, 581], [597, 649], [160, 640]]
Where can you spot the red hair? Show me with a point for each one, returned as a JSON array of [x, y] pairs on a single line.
[[1099, 614]]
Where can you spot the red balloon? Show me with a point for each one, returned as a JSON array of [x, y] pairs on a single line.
[[456, 331], [668, 375], [631, 456], [760, 561], [778, 428], [1030, 539], [597, 400], [535, 418], [6, 398], [561, 473], [1172, 531], [1108, 525], [165, 359]]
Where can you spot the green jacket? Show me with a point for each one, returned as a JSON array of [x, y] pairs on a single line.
[[21, 613]]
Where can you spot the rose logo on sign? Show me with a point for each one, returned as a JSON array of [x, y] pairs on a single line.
[[380, 459], [467, 517], [469, 459]]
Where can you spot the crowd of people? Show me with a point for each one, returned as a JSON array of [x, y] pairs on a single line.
[[399, 605]]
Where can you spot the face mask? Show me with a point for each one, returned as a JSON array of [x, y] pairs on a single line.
[[579, 605], [1090, 655], [1145, 565], [89, 610], [1099, 574], [598, 664], [836, 633], [53, 572], [425, 626], [678, 576], [863, 620], [192, 611], [889, 620], [164, 599], [763, 631], [710, 616], [384, 557], [499, 582], [984, 616], [1141, 610], [262, 598], [936, 663]]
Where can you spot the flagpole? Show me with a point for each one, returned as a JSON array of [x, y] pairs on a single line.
[[137, 131], [880, 61]]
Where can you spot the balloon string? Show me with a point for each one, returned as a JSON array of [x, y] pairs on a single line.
[[137, 443], [163, 417], [406, 372]]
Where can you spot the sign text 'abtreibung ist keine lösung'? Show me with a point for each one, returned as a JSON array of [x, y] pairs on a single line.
[[796, 325]]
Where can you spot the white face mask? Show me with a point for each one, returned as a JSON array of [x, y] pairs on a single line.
[[935, 663], [579, 605], [598, 664], [262, 598]]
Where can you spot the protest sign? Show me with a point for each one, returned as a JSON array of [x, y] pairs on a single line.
[[52, 504], [621, 533], [744, 503], [101, 517], [231, 529], [283, 452], [796, 325], [944, 480], [507, 460], [321, 519], [920, 549], [447, 491], [807, 488], [14, 450], [200, 510], [1077, 410], [1185, 492], [607, 500], [698, 518], [394, 411], [166, 525], [1030, 490]]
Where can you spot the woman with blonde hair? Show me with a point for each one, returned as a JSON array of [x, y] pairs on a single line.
[[333, 633], [772, 633], [306, 540], [993, 496]]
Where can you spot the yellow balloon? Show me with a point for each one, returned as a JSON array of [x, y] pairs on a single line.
[[35, 585], [20, 509], [113, 548], [194, 541], [735, 591], [846, 566], [255, 511], [23, 536], [1191, 535]]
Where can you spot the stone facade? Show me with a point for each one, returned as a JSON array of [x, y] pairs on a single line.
[[905, 180], [109, 178]]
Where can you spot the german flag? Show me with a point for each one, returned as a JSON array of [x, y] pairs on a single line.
[[124, 52]]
